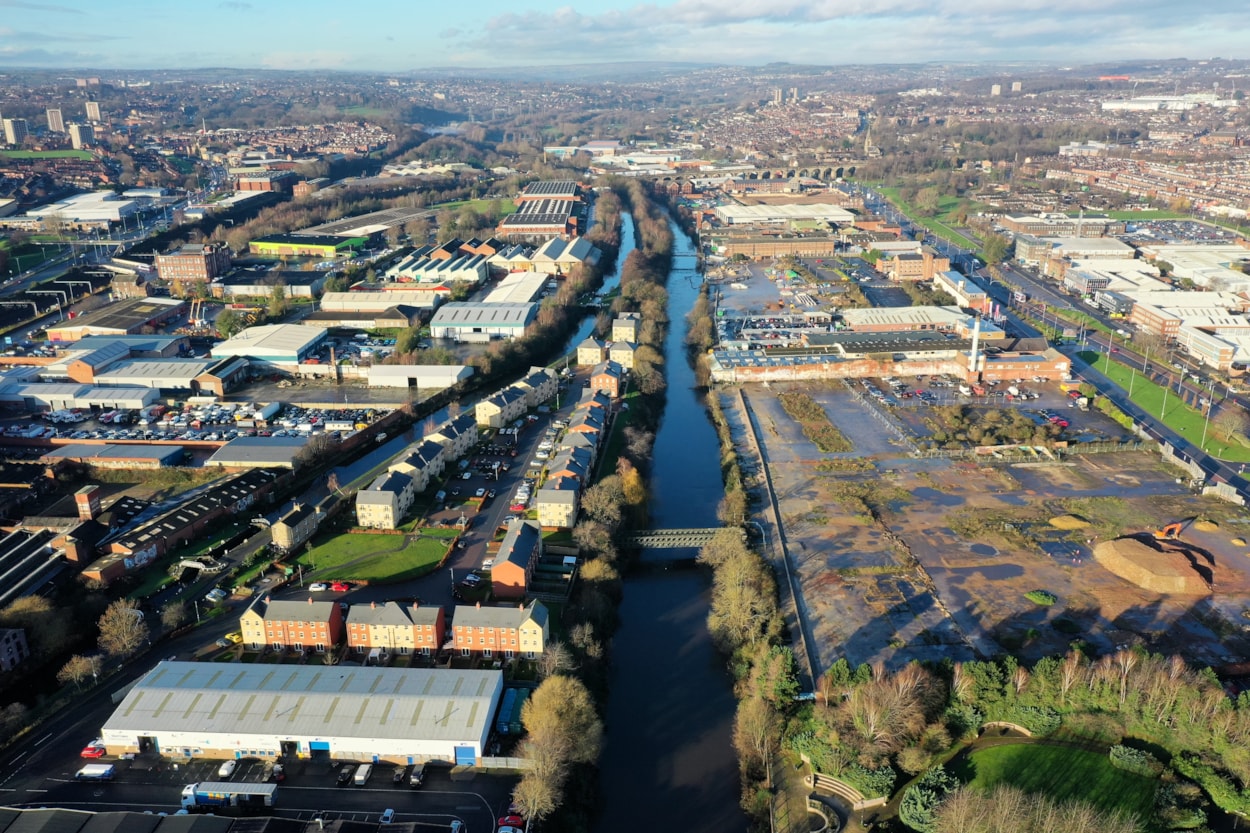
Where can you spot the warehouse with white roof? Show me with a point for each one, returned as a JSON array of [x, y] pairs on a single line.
[[278, 344], [398, 715]]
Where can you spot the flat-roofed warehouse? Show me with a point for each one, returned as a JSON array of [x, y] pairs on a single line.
[[280, 344], [400, 715], [119, 318], [481, 322]]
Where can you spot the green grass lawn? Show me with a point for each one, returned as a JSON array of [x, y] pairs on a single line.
[[375, 557], [937, 225], [1181, 418], [1062, 773], [46, 154]]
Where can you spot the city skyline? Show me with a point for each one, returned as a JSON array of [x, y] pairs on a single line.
[[286, 34]]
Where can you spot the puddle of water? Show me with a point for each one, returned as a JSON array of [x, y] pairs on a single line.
[[983, 549], [932, 495], [993, 572]]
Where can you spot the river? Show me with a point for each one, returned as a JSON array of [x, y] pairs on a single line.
[[668, 762]]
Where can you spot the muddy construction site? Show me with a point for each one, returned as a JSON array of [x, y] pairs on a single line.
[[895, 556]]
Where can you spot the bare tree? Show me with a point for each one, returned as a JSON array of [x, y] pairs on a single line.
[[122, 629], [77, 669], [555, 659], [173, 615]]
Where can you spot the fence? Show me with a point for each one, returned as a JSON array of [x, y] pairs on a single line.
[[893, 425], [520, 764], [1027, 453]]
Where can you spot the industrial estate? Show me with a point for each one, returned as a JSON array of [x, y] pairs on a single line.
[[353, 430]]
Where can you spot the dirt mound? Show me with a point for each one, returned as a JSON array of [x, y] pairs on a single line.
[[1206, 526], [1238, 542], [1161, 568], [1069, 522]]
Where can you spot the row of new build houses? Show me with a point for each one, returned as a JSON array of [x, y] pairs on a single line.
[[396, 628], [571, 467], [384, 502]]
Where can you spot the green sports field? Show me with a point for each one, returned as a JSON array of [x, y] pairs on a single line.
[[1062, 772]]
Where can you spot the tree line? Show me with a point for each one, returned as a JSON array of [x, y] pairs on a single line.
[[563, 730]]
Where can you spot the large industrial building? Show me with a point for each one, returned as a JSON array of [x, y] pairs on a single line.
[[481, 322], [296, 245], [399, 715], [276, 344], [121, 318]]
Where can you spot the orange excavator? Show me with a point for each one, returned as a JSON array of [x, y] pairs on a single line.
[[1169, 531]]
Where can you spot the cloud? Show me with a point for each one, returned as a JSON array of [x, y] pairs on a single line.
[[13, 56], [37, 7], [50, 37], [235, 6], [870, 31]]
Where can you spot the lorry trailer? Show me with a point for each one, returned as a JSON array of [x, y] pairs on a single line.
[[96, 772], [207, 794]]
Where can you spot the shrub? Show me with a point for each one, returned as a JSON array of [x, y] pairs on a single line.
[[1040, 720], [962, 720], [873, 783], [922, 798], [1223, 791], [1045, 598], [1136, 761]]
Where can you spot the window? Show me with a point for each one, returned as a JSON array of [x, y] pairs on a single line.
[[277, 646], [321, 647], [464, 652], [509, 654], [481, 640], [487, 653]]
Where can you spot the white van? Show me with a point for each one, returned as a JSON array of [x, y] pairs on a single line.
[[362, 774]]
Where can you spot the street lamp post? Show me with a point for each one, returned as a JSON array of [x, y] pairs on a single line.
[[1207, 422]]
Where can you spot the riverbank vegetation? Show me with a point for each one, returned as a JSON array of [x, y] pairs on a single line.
[[561, 787]]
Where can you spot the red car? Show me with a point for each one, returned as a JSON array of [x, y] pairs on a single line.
[[340, 587], [93, 750], [1074, 394], [511, 821]]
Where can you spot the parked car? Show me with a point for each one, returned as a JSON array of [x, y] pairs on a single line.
[[318, 586], [234, 638], [400, 776], [226, 769], [417, 778], [340, 587], [345, 774], [388, 816], [95, 749], [471, 580]]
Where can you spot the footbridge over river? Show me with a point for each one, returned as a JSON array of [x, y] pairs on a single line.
[[668, 539]]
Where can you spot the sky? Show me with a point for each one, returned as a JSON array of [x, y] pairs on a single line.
[[396, 35]]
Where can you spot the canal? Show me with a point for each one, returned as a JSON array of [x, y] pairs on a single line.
[[611, 281], [668, 762]]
